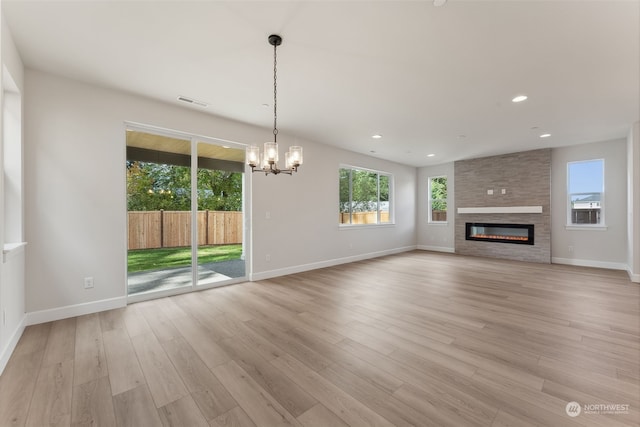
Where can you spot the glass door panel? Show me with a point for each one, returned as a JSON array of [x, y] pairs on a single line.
[[220, 180], [159, 213]]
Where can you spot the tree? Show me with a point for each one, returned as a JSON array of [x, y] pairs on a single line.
[[154, 186], [439, 193], [362, 186], [219, 190]]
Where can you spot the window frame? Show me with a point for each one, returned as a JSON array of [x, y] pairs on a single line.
[[430, 200], [570, 224], [379, 173]]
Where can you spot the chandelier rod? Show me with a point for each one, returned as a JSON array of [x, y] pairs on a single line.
[[275, 40], [275, 91]]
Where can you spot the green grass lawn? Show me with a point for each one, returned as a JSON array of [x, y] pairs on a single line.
[[155, 259]]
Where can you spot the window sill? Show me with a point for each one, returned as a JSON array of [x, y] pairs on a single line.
[[11, 249], [438, 222], [585, 227], [361, 226]]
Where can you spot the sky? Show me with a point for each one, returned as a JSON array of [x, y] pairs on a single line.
[[586, 177]]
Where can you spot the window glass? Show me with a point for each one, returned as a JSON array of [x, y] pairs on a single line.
[[586, 192], [438, 199], [364, 197]]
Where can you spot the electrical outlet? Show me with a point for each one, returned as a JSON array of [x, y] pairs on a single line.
[[570, 248], [490, 192], [4, 317], [267, 257], [88, 282]]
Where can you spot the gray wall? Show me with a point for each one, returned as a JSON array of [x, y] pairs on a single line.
[[525, 177], [435, 236], [76, 199], [600, 246]]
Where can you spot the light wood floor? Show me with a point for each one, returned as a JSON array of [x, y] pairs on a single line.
[[414, 339]]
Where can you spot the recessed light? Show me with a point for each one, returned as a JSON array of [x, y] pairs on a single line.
[[519, 98], [545, 135], [438, 3], [430, 155], [376, 136]]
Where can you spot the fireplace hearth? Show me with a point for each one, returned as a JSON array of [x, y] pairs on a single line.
[[521, 234]]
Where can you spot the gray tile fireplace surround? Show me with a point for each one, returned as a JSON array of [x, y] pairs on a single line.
[[526, 179]]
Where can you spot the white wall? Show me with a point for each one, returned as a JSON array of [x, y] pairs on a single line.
[[76, 204], [12, 266], [436, 237], [606, 248], [633, 202]]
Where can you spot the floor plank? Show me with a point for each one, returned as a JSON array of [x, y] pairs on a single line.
[[135, 408], [92, 404], [61, 342], [124, 369], [16, 387], [182, 413], [51, 403], [348, 408], [261, 407], [163, 380], [90, 360], [320, 416]]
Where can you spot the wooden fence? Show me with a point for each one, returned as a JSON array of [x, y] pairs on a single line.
[[168, 229], [364, 217], [438, 215]]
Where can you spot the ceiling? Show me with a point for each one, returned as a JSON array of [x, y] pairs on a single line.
[[430, 80], [167, 144]]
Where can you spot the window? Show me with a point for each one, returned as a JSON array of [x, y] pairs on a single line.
[[438, 199], [585, 182], [365, 196]]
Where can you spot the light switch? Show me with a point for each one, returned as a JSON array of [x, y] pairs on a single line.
[[504, 191], [490, 192]]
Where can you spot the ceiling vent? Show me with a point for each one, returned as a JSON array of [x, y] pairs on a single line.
[[192, 101]]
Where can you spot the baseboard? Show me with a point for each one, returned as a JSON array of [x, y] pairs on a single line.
[[590, 263], [323, 264], [634, 277], [437, 249], [11, 345], [36, 317]]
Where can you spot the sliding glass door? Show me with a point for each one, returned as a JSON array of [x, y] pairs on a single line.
[[184, 209], [220, 218]]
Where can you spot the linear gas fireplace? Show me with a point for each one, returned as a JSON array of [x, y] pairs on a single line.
[[502, 233]]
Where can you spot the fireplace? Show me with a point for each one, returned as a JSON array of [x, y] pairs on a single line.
[[521, 234]]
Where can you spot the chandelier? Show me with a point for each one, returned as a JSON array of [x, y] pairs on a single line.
[[267, 162]]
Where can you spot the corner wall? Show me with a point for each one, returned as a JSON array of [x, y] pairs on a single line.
[[12, 264], [436, 236], [604, 248]]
